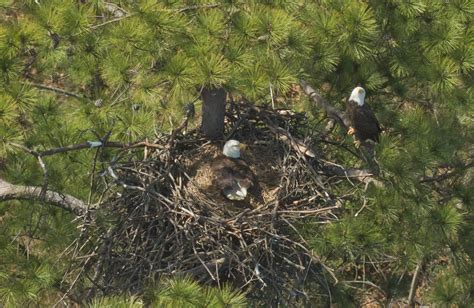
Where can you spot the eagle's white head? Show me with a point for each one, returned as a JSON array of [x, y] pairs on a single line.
[[358, 96], [232, 148]]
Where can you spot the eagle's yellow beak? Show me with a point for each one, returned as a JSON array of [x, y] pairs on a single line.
[[243, 146], [361, 91]]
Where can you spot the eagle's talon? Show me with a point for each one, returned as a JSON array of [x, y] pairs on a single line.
[[351, 131], [357, 143]]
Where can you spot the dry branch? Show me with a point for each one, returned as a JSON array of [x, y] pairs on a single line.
[[10, 191], [57, 90], [414, 284], [330, 110]]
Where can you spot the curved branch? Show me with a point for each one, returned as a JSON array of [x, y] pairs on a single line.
[[10, 191], [330, 110]]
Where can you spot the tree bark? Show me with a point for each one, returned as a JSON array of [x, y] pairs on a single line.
[[10, 191], [213, 112]]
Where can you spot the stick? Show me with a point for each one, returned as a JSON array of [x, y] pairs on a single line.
[[414, 284], [330, 110]]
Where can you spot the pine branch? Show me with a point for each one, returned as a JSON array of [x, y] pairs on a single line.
[[10, 191], [330, 110]]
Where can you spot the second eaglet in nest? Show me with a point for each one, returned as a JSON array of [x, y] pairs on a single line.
[[232, 176]]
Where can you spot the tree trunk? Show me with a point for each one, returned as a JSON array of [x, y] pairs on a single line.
[[213, 112]]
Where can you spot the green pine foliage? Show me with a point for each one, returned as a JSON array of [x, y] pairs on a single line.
[[184, 292], [177, 292], [144, 60]]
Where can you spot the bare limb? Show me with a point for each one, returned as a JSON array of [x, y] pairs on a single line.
[[79, 146], [194, 7], [10, 191], [362, 175], [45, 175], [40, 161], [414, 284], [330, 110], [57, 90], [86, 145], [111, 21]]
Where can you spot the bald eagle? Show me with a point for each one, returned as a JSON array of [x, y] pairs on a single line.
[[363, 122], [231, 174]]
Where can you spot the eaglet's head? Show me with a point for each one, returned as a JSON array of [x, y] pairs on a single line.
[[358, 96], [232, 148]]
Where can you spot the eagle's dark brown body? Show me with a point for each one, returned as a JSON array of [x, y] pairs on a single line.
[[362, 119], [230, 173]]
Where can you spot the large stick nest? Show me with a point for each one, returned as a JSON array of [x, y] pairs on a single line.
[[161, 215]]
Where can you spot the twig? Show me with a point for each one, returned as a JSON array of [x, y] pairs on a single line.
[[45, 175], [316, 211], [414, 284], [94, 27], [41, 163], [57, 90], [271, 95], [195, 7]]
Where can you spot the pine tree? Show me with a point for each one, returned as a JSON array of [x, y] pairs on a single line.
[[72, 71]]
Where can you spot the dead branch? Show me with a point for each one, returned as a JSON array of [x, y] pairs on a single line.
[[94, 27], [330, 110], [195, 7], [57, 90], [10, 191], [87, 145], [414, 284]]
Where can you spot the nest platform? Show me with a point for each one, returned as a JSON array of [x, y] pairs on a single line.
[[161, 216]]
